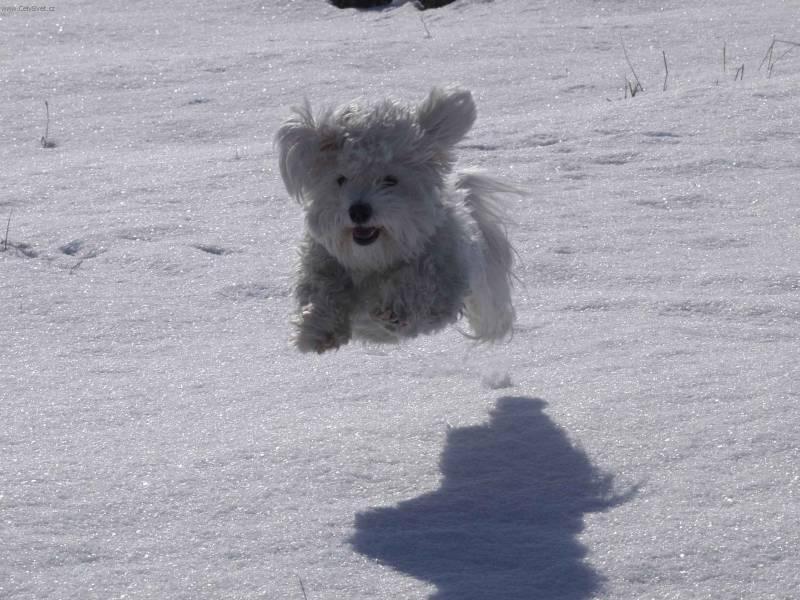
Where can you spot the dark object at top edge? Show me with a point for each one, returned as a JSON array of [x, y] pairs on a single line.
[[421, 4]]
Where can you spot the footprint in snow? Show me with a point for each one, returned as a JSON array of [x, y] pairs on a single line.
[[214, 249], [19, 249]]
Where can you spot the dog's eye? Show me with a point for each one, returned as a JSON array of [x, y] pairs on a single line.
[[341, 180], [389, 181]]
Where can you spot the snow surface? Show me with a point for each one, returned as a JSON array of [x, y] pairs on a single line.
[[638, 437]]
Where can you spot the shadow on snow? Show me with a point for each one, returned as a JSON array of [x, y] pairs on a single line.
[[505, 521]]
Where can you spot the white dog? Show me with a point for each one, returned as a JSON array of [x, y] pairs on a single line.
[[395, 247]]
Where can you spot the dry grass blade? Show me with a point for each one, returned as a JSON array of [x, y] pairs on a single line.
[[768, 56], [8, 227], [302, 587], [724, 58], [638, 86], [632, 88], [47, 143]]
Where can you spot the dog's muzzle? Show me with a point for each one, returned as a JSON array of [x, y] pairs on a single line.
[[364, 236]]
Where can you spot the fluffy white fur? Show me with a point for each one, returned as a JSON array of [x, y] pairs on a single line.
[[396, 246]]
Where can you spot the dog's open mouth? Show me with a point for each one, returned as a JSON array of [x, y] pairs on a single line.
[[364, 236]]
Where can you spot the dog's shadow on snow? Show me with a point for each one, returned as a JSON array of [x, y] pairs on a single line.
[[505, 520]]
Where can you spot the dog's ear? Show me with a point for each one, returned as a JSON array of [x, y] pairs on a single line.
[[299, 144], [446, 115]]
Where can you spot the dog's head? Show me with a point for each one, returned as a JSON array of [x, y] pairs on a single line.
[[370, 177]]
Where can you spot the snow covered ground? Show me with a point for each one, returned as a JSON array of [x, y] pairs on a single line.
[[638, 438]]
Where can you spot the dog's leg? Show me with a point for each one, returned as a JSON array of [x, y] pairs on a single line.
[[325, 295], [422, 297]]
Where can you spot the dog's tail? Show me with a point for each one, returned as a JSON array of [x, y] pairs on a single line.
[[489, 309]]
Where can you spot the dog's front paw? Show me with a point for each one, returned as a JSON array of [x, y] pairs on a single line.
[[306, 341], [317, 332]]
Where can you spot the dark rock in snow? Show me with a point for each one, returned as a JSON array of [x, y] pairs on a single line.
[[421, 4], [360, 3], [426, 4]]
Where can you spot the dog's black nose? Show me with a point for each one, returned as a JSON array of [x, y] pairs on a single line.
[[360, 212]]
